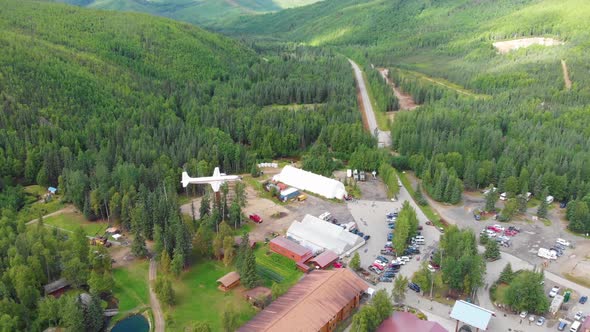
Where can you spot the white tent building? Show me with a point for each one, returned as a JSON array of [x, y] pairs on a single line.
[[318, 235], [311, 182]]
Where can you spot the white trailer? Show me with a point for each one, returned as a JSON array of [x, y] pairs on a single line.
[[546, 253]]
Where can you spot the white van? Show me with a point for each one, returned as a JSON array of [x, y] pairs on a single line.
[[549, 199], [575, 326], [325, 216], [563, 242], [503, 196], [419, 241]]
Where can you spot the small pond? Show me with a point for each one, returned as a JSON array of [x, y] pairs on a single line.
[[135, 323]]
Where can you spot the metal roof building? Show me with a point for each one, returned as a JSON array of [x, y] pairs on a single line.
[[317, 302], [404, 321], [472, 315], [311, 182], [317, 235], [324, 259]]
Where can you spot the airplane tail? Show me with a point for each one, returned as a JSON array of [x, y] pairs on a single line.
[[185, 179]]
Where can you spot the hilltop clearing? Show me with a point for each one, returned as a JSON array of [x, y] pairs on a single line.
[[510, 45]]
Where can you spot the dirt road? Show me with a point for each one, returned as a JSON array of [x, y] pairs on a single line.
[[155, 304], [406, 102], [383, 137], [67, 209], [566, 76]]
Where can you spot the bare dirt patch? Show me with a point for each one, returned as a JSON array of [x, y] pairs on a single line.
[[506, 46], [406, 102]]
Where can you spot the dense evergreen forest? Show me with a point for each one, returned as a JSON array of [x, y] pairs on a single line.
[[488, 118], [201, 12], [111, 107]]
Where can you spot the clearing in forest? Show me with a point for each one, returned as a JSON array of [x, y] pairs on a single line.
[[406, 102], [506, 46], [566, 76]]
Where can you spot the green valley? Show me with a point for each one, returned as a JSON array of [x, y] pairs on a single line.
[[202, 12]]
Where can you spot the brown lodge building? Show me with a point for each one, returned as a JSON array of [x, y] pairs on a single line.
[[317, 302]]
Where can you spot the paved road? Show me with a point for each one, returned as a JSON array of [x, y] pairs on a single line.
[[384, 137], [154, 302]]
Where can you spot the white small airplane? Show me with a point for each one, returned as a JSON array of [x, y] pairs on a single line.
[[215, 181]]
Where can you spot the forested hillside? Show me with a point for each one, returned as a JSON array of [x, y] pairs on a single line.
[[488, 118], [201, 12], [111, 107]]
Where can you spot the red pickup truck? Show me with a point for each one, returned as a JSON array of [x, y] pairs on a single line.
[[255, 218]]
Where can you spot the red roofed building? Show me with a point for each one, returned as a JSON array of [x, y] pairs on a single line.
[[290, 249], [324, 259], [404, 322], [318, 302]]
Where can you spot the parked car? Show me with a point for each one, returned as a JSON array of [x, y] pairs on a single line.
[[380, 263], [554, 291], [477, 217], [420, 228], [523, 314], [578, 315], [414, 287], [391, 226], [385, 279], [255, 218], [361, 234], [405, 258], [561, 326], [337, 265], [540, 321], [563, 242], [428, 222], [378, 266], [563, 205], [367, 237], [389, 237], [383, 259], [531, 318], [431, 268], [583, 299]]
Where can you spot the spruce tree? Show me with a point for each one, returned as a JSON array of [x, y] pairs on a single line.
[[94, 317], [506, 275], [205, 208], [249, 277], [241, 255], [138, 247], [542, 211], [492, 251]]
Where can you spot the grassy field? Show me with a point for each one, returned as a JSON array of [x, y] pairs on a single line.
[[498, 293], [131, 287], [198, 299], [33, 207], [71, 221]]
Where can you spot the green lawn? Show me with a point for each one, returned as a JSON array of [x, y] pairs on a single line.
[[499, 292], [131, 287], [198, 299], [274, 267], [33, 207], [71, 221]]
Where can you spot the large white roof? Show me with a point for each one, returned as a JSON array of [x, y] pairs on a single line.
[[311, 182], [316, 234]]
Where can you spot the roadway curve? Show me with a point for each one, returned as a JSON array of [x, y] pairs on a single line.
[[383, 137], [155, 304]]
